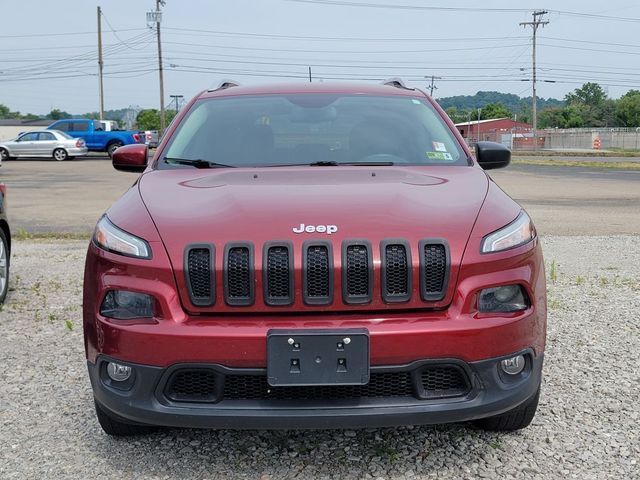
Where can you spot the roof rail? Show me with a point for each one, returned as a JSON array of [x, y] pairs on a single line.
[[225, 84], [396, 82]]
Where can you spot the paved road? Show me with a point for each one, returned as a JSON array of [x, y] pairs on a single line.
[[47, 196]]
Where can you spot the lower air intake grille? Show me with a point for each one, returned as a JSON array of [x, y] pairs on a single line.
[[199, 271], [317, 275], [193, 385], [251, 387], [357, 273], [424, 383], [443, 381], [434, 270], [278, 276], [238, 280]]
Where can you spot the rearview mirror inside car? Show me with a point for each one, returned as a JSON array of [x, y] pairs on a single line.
[[492, 155], [130, 158]]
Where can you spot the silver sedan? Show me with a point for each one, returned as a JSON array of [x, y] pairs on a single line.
[[43, 143]]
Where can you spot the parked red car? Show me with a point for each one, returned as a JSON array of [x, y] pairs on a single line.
[[314, 256]]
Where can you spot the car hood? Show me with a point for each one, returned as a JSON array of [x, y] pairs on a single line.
[[222, 206]]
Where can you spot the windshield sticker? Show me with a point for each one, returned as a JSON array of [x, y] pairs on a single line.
[[439, 147], [448, 156], [435, 155], [417, 102]]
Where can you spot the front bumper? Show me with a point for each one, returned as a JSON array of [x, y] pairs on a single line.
[[490, 393]]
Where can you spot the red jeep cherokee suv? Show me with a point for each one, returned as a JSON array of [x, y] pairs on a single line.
[[314, 256]]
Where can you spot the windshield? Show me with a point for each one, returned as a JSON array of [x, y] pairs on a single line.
[[252, 131]]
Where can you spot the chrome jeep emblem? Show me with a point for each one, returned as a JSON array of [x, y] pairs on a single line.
[[328, 229]]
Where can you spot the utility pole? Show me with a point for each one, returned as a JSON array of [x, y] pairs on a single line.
[[537, 21], [100, 63], [309, 74], [433, 87], [177, 98], [156, 17]]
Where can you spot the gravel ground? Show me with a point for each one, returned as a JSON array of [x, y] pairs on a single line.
[[586, 427]]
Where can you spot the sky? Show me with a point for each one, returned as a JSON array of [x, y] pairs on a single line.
[[48, 49]]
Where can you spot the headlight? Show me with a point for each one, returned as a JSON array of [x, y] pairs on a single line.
[[507, 298], [109, 237], [517, 233]]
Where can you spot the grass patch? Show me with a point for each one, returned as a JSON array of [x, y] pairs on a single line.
[[553, 162], [612, 152], [22, 234], [553, 272]]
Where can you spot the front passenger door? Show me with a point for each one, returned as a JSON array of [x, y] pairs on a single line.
[[25, 145]]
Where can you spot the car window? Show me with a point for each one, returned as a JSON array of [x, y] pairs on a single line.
[[306, 128], [29, 137], [63, 127], [46, 136], [97, 126], [79, 127], [65, 135]]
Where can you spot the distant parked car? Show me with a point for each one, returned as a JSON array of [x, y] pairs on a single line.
[[93, 132], [43, 143], [5, 245], [151, 138]]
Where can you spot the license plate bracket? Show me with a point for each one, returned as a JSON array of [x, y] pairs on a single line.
[[317, 357]]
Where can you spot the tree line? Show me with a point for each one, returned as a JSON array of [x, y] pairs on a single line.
[[586, 106]]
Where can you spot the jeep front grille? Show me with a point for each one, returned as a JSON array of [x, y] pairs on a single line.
[[394, 277]]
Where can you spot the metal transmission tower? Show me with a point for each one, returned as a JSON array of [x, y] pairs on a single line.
[[537, 22], [155, 17]]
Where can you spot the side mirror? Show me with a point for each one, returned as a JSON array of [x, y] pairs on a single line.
[[130, 158], [492, 155]]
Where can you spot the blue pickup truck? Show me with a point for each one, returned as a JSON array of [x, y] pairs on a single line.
[[96, 138]]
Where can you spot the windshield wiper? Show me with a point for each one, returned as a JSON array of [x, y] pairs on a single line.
[[198, 163], [330, 163]]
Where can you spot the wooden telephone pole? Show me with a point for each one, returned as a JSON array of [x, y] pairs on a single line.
[[537, 22], [100, 63]]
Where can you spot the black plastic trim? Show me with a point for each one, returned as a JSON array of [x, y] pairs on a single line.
[[434, 296], [328, 300], [277, 301], [211, 299], [391, 298], [357, 299], [171, 376], [239, 301]]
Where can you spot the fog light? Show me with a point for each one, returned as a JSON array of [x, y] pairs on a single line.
[[117, 372], [124, 305], [513, 365], [507, 298]]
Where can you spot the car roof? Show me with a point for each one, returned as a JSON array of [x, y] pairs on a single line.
[[317, 87]]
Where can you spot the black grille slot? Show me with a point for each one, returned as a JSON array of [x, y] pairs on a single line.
[[317, 274], [357, 273], [396, 271], [254, 387], [239, 275], [434, 269], [278, 275], [194, 385], [199, 274], [443, 381]]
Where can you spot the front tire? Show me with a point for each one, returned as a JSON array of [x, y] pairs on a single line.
[[4, 266], [116, 427], [60, 154], [112, 147], [516, 419], [4, 154]]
